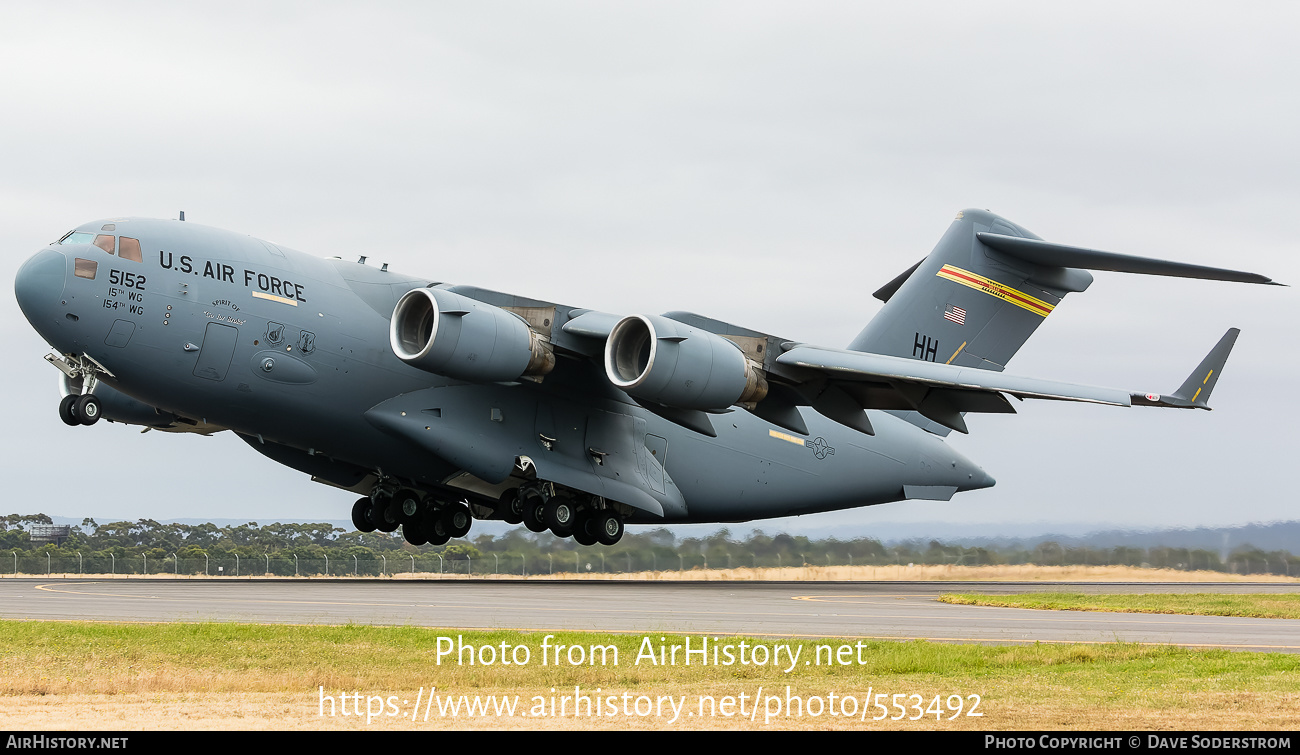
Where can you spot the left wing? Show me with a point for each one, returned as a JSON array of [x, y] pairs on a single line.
[[944, 392]]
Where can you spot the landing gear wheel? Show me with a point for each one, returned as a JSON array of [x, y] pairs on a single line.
[[457, 520], [361, 516], [68, 410], [511, 506], [88, 409], [583, 529], [558, 515], [384, 515], [608, 526], [406, 504], [413, 532], [375, 514], [437, 533], [534, 512]]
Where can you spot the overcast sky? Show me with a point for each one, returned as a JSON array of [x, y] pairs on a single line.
[[766, 164]]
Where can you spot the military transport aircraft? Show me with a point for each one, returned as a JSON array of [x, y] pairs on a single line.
[[442, 403]]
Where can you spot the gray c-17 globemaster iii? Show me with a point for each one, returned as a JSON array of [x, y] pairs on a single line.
[[440, 403]]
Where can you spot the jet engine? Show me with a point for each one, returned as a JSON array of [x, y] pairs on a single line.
[[668, 362], [453, 335]]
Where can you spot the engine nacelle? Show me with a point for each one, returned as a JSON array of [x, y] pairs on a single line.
[[668, 362], [453, 335]]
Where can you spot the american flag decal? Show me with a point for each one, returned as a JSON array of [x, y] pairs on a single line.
[[956, 314]]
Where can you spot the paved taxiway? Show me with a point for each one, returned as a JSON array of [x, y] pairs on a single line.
[[889, 610]]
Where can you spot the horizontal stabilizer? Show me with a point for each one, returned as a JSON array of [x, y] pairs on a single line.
[[1195, 390], [1058, 255]]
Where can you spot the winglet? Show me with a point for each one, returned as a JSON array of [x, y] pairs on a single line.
[[1195, 390]]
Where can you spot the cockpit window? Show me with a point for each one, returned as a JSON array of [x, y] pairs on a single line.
[[84, 268], [129, 249], [77, 237]]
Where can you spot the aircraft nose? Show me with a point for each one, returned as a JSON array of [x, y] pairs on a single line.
[[39, 284]]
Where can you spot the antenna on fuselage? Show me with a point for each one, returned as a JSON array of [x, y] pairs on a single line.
[[182, 216], [361, 260]]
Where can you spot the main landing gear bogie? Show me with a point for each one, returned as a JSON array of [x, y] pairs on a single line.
[[593, 526], [539, 507], [422, 519], [442, 523]]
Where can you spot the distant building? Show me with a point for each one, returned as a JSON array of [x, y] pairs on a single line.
[[50, 533]]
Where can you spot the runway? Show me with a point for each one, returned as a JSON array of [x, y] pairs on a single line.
[[883, 610]]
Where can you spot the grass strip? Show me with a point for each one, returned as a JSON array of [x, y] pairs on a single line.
[[1099, 686], [1262, 606]]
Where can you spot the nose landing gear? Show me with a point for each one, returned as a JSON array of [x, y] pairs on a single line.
[[80, 410], [83, 408]]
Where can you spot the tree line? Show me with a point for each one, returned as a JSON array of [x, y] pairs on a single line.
[[291, 548]]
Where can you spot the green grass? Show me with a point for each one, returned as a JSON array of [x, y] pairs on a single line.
[[1029, 685], [1263, 606]]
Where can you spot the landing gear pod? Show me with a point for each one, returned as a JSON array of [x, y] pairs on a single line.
[[453, 335], [667, 362]]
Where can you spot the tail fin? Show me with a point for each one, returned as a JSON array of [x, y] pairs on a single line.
[[966, 303], [987, 286]]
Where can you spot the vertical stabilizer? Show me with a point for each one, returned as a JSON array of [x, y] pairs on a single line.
[[966, 303], [989, 284]]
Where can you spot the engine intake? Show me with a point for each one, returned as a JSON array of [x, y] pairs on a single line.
[[668, 362], [445, 333]]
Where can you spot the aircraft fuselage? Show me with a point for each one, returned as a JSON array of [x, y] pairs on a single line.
[[214, 330]]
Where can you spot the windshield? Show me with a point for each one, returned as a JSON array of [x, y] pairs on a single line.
[[77, 237]]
